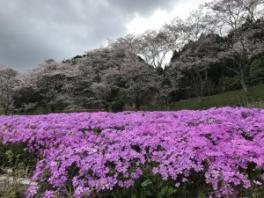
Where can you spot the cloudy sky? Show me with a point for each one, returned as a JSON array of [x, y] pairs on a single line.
[[32, 31]]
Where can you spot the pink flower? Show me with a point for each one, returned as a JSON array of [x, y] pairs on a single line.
[[102, 151]]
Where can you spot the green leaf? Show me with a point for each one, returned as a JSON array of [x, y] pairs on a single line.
[[146, 183], [133, 196], [166, 192], [201, 195]]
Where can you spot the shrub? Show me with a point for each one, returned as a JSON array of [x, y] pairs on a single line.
[[15, 156], [230, 83], [257, 71], [117, 106]]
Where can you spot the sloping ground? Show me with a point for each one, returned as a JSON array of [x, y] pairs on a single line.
[[215, 152], [259, 104], [255, 96]]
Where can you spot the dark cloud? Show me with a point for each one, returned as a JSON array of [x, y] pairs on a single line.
[[34, 30]]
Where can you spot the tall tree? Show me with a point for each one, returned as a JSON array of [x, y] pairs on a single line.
[[232, 14], [139, 80], [155, 48], [8, 81]]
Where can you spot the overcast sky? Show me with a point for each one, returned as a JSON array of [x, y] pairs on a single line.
[[32, 31]]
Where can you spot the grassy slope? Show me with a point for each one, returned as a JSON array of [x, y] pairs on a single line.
[[254, 97]]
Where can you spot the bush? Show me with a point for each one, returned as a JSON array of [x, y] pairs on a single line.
[[117, 106], [230, 83], [15, 163], [15, 156], [257, 71]]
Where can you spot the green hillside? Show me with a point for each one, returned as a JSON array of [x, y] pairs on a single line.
[[253, 98]]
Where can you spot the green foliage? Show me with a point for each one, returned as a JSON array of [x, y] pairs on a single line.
[[256, 190], [15, 163], [259, 104], [149, 185], [257, 71], [44, 185], [15, 156], [229, 83], [117, 106]]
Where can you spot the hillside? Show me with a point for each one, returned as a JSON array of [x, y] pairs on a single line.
[[253, 98]]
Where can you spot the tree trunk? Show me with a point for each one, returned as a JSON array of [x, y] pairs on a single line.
[[137, 106], [243, 85], [6, 110], [137, 103], [243, 82]]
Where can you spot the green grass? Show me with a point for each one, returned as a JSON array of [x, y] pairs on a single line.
[[253, 98], [259, 104]]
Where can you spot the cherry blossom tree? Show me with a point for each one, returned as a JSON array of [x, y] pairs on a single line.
[[8, 81]]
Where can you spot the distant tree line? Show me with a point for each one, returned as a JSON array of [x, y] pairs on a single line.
[[219, 47]]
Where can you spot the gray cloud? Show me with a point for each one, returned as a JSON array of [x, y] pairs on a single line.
[[34, 30], [143, 7]]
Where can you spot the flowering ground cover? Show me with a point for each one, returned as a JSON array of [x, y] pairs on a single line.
[[209, 153]]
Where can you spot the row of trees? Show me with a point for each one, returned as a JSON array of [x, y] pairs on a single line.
[[218, 48], [221, 17]]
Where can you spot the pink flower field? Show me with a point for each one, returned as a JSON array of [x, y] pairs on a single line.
[[215, 152]]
